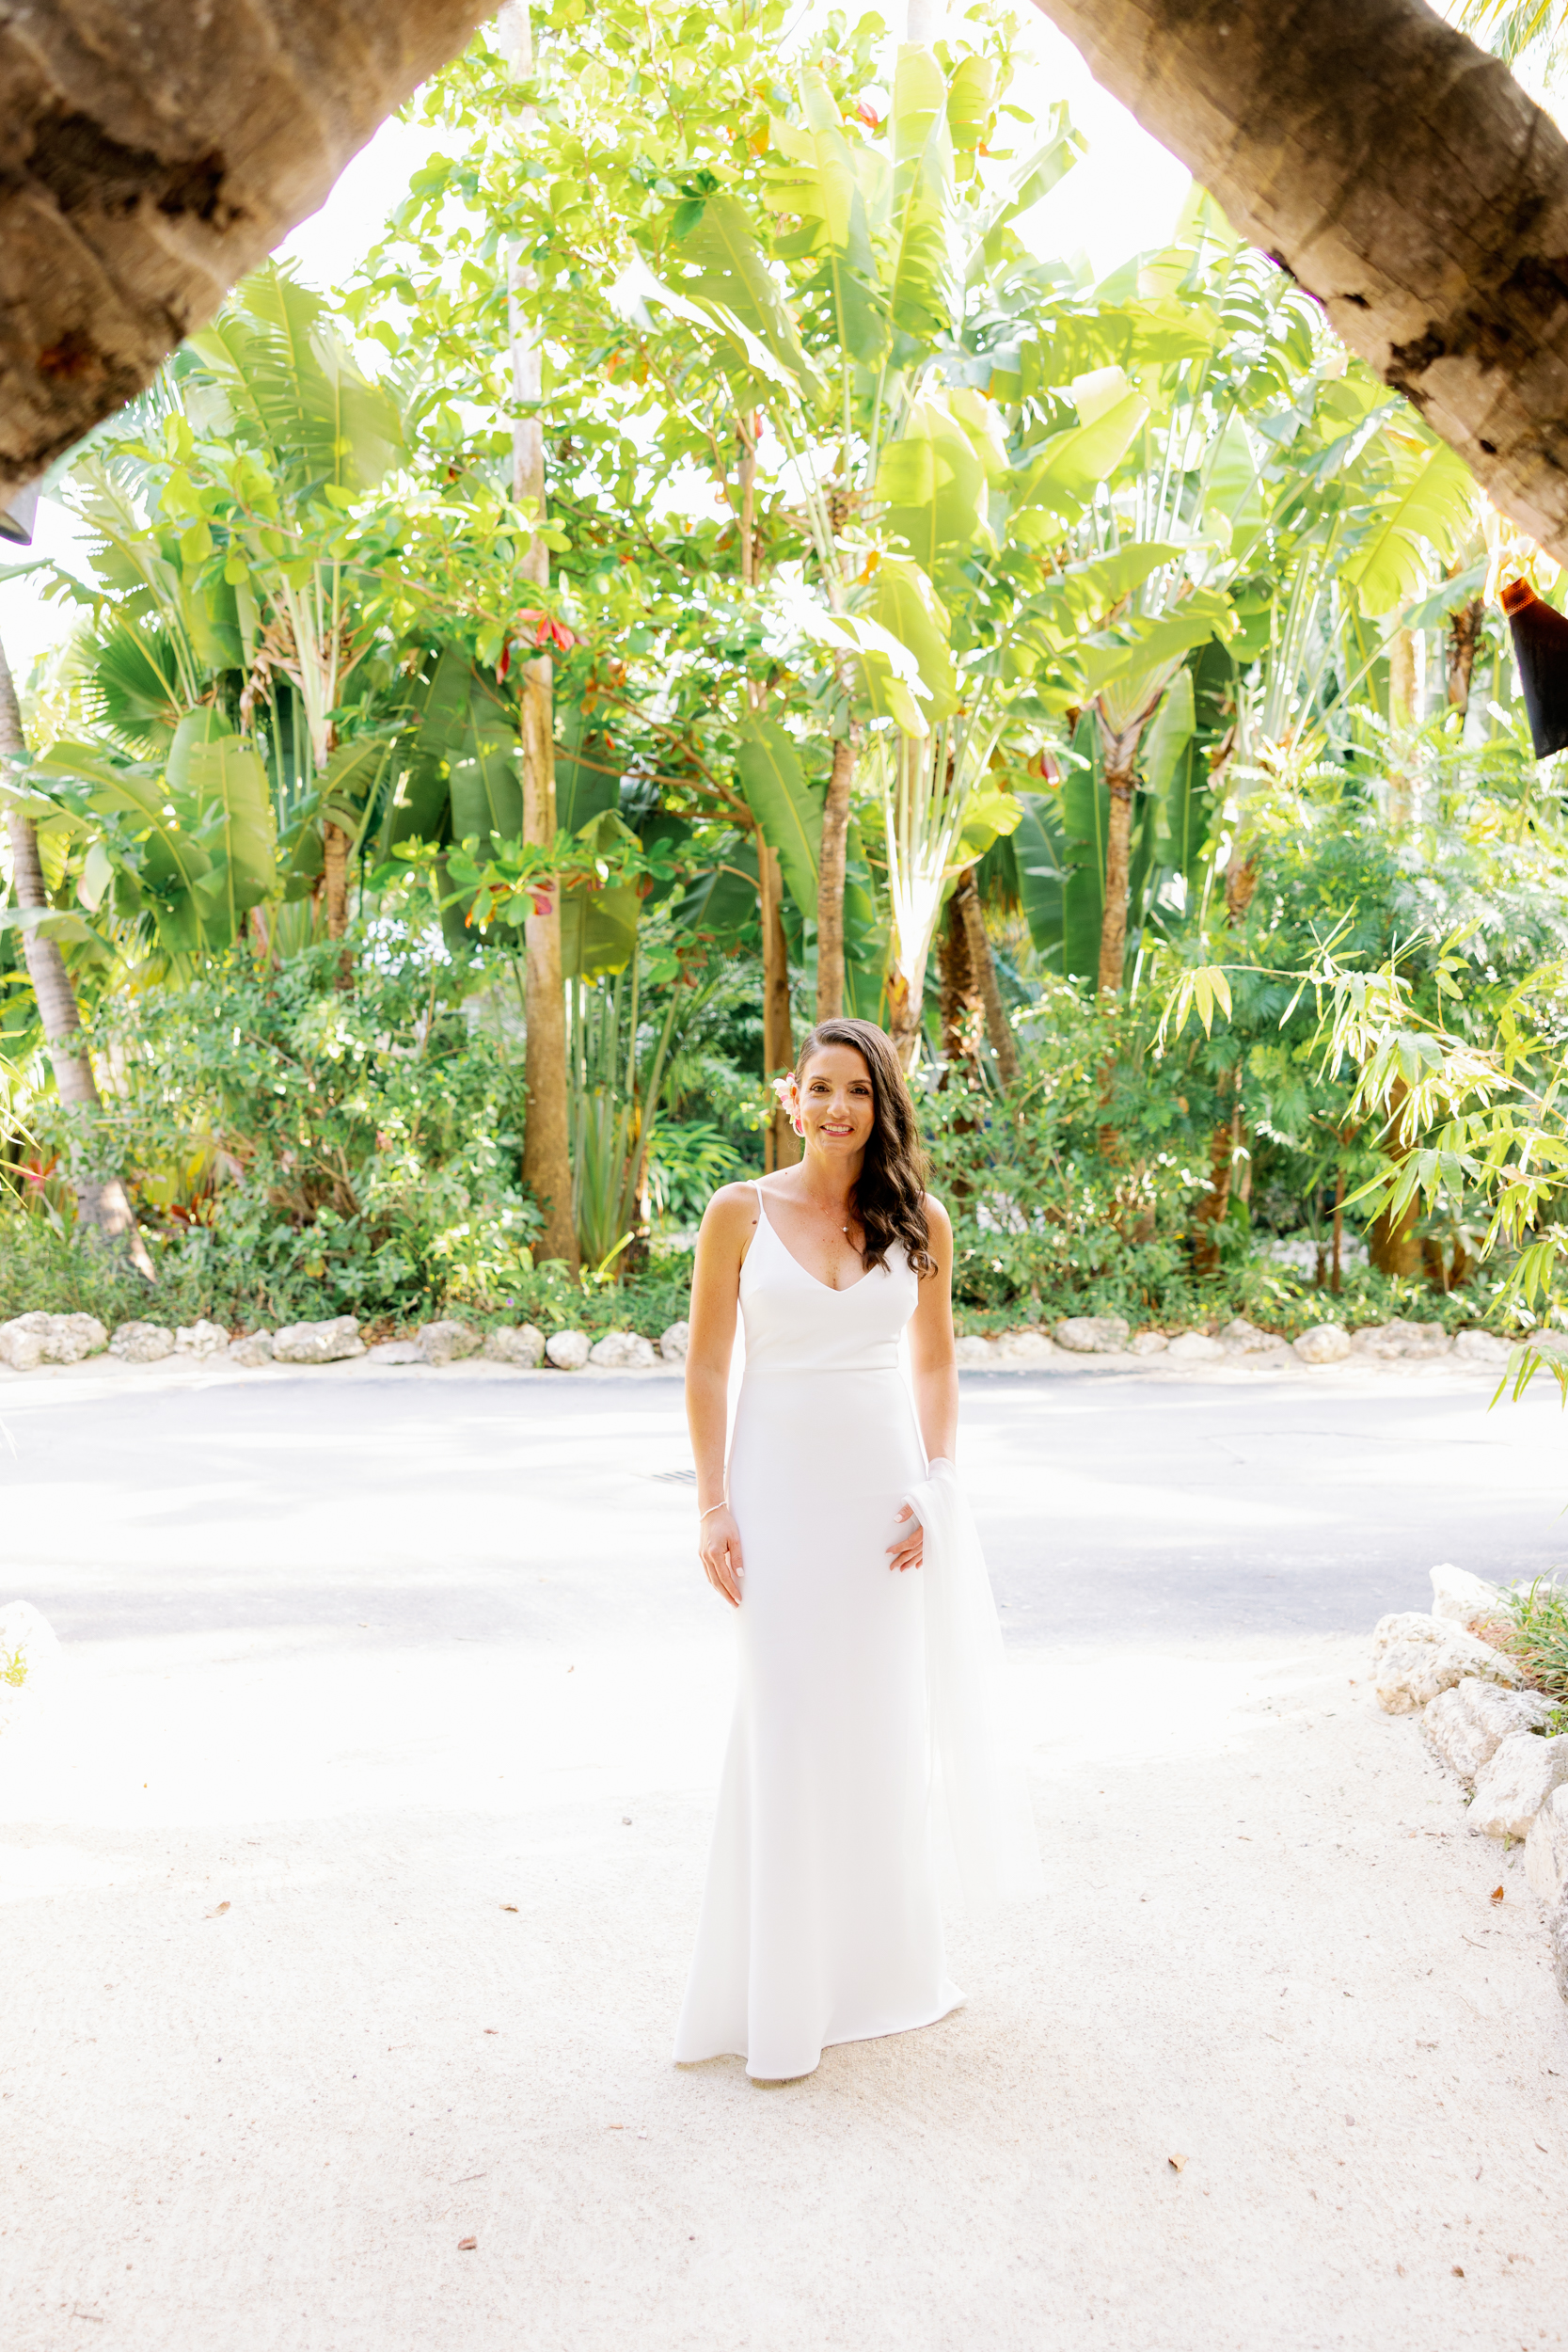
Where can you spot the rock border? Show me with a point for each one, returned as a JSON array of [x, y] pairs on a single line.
[[1488, 1728]]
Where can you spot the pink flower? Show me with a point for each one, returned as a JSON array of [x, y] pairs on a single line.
[[789, 1101]]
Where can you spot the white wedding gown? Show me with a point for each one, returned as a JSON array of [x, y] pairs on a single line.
[[820, 1921]]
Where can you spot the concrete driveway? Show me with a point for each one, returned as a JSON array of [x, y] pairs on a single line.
[[352, 1879]]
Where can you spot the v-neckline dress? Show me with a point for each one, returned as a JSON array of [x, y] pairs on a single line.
[[820, 1921]]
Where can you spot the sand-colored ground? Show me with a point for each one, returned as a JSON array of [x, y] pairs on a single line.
[[352, 1880]]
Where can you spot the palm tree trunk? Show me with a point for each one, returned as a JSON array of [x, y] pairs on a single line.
[[153, 155], [999, 1029], [1120, 757], [830, 883], [781, 1148], [1337, 136], [963, 1015], [1463, 634], [99, 1195], [546, 1155]]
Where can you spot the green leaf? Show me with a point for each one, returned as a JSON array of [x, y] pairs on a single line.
[[821, 184], [1431, 505], [1071, 466], [925, 289], [934, 487], [904, 602], [783, 804]]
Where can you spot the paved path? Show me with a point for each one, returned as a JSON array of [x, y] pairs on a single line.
[[371, 1658]]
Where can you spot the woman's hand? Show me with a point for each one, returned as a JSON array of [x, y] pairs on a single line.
[[908, 1550], [719, 1550]]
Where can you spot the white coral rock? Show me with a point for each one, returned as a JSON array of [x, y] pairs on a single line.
[[327, 1342], [1511, 1789], [1326, 1344], [1546, 1848], [1468, 1723], [624, 1351], [516, 1343], [568, 1351], [674, 1340]]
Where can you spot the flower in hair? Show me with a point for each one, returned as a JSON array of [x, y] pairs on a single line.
[[788, 1095]]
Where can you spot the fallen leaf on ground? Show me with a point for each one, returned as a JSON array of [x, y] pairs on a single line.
[[492, 2030], [467, 2245], [219, 1913], [1457, 2271], [1497, 1894], [508, 1906], [1175, 2163]]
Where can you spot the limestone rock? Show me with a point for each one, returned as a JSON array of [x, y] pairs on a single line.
[[28, 1341], [674, 1341], [1094, 1335], [1557, 1936], [1149, 1343], [624, 1351], [1468, 1723], [1417, 1655], [1243, 1338], [1458, 1594], [568, 1351], [1511, 1789], [1401, 1338], [975, 1350], [1027, 1348], [1546, 1849], [1194, 1347], [325, 1342], [142, 1343], [1481, 1347], [200, 1339], [253, 1349], [1326, 1344], [516, 1343], [397, 1352], [444, 1343]]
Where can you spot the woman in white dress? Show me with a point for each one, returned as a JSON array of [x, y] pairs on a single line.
[[821, 1922]]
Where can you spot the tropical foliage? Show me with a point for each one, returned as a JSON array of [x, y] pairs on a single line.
[[885, 558]]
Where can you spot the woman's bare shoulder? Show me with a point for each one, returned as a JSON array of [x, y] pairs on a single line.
[[732, 1211], [937, 1216]]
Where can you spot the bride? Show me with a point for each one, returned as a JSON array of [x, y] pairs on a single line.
[[821, 1922]]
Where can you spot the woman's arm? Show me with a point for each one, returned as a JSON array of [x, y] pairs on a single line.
[[934, 1364], [727, 1224]]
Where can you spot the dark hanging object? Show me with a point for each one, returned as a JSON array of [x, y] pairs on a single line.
[[1541, 650]]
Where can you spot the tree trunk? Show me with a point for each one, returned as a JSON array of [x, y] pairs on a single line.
[[1402, 719], [906, 1013], [1215, 1204], [781, 1145], [546, 1153], [830, 883], [1118, 843], [963, 1014], [335, 847], [1402, 177], [999, 1029], [1392, 1243], [154, 153], [100, 1197], [1464, 635]]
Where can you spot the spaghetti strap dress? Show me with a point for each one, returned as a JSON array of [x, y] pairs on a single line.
[[820, 1921]]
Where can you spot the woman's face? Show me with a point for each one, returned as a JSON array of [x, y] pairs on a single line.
[[837, 1106]]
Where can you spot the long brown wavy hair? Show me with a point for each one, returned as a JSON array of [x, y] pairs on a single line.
[[890, 1191]]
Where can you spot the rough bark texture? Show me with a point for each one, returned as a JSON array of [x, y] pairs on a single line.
[[1118, 840], [999, 1029], [830, 884], [781, 1145], [546, 1148], [963, 1014], [101, 1197], [1402, 177], [154, 152], [1463, 634]]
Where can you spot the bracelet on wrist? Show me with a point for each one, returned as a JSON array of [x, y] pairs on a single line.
[[709, 1512]]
